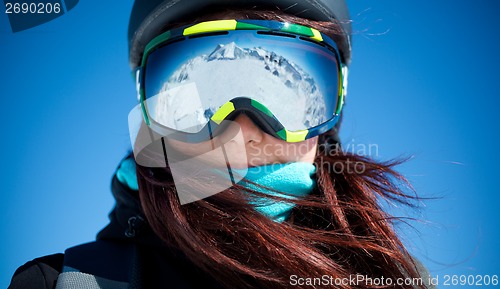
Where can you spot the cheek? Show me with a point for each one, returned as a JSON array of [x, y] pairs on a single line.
[[187, 148], [306, 146], [302, 151]]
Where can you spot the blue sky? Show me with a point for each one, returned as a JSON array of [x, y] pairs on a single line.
[[423, 82]]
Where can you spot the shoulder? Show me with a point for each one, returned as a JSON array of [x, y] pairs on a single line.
[[106, 259], [40, 273]]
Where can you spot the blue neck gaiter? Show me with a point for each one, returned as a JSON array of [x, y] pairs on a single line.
[[292, 178], [126, 174]]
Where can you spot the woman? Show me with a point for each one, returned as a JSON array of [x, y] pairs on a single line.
[[237, 177]]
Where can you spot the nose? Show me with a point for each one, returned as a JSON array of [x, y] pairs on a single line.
[[251, 132]]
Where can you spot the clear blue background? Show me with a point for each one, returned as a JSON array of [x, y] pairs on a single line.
[[423, 82]]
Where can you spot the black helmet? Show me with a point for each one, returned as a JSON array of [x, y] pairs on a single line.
[[149, 17]]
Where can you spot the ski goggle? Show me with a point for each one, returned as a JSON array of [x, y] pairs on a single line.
[[286, 77]]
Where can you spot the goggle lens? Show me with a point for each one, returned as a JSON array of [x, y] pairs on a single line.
[[293, 79]]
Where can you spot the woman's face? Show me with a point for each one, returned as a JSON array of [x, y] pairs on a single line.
[[243, 142], [246, 145]]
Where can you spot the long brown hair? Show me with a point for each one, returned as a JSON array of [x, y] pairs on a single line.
[[339, 230]]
